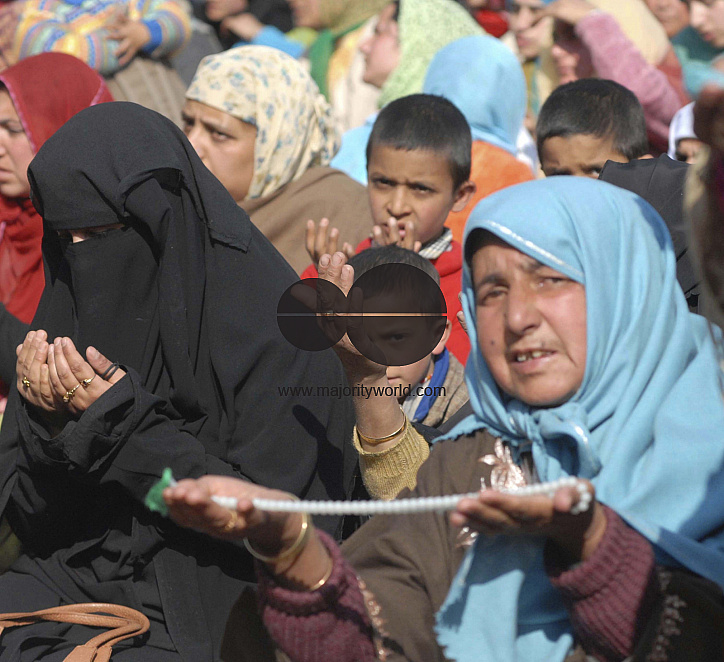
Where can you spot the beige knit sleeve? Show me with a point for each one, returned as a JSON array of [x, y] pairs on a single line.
[[387, 472]]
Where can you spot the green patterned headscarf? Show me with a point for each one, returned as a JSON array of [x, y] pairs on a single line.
[[425, 26], [339, 17]]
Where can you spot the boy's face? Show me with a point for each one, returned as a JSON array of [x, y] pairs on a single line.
[[580, 155], [413, 186]]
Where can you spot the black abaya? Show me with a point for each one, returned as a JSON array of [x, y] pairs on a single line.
[[184, 296]]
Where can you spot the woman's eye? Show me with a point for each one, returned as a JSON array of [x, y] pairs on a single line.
[[218, 135], [491, 295]]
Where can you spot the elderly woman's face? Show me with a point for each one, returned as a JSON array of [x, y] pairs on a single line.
[[224, 143], [531, 323], [15, 151]]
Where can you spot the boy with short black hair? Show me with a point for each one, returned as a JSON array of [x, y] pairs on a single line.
[[586, 123], [418, 168]]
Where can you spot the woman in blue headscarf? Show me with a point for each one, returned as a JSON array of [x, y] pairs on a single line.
[[483, 79], [588, 365]]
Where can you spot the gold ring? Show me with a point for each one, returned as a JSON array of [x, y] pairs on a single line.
[[26, 382], [86, 382], [231, 524], [69, 394]]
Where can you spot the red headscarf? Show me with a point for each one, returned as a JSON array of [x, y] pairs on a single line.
[[46, 90]]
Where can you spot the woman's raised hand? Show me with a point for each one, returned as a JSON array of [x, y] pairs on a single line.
[[32, 373], [75, 382], [493, 512]]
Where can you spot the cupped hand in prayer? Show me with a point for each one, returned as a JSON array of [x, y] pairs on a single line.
[[324, 240], [55, 378], [31, 371], [494, 512]]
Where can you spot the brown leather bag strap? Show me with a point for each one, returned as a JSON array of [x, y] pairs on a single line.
[[123, 622]]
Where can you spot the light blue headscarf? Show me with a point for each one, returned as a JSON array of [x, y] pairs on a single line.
[[646, 426], [483, 78]]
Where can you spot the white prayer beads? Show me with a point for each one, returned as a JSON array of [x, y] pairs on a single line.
[[419, 505]]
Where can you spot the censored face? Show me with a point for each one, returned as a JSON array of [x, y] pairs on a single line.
[[531, 323], [672, 14], [15, 151], [224, 143]]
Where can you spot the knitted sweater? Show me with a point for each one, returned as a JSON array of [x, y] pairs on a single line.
[[78, 27], [607, 596]]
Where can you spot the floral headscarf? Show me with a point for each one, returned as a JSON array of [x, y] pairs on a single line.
[[262, 86]]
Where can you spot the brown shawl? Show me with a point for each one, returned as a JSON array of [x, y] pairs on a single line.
[[321, 192]]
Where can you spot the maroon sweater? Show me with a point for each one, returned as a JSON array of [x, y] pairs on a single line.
[[605, 596]]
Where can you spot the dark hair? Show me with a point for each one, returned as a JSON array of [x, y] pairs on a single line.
[[595, 107], [427, 122], [392, 254], [391, 270]]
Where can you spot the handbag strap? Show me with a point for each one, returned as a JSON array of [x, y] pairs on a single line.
[[123, 623]]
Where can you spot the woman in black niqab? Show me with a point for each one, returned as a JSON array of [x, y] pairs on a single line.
[[183, 294]]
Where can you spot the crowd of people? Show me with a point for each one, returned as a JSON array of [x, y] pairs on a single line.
[[363, 251]]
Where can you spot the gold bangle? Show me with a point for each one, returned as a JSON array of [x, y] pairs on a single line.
[[296, 548], [381, 440], [324, 579]]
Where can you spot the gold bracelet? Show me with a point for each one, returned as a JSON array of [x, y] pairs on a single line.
[[381, 440], [324, 579], [296, 548]]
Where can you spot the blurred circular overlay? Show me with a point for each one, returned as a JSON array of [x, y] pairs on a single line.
[[394, 315]]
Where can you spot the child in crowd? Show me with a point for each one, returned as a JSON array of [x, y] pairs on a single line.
[[433, 388], [586, 123], [105, 34], [393, 403], [418, 166]]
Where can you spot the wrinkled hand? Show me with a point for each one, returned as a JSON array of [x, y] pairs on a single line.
[[709, 117], [245, 26], [67, 370], [494, 513], [190, 505], [324, 240], [131, 35], [568, 11], [32, 373], [393, 235]]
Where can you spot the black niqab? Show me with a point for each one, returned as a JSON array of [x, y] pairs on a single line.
[[185, 296], [661, 183]]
